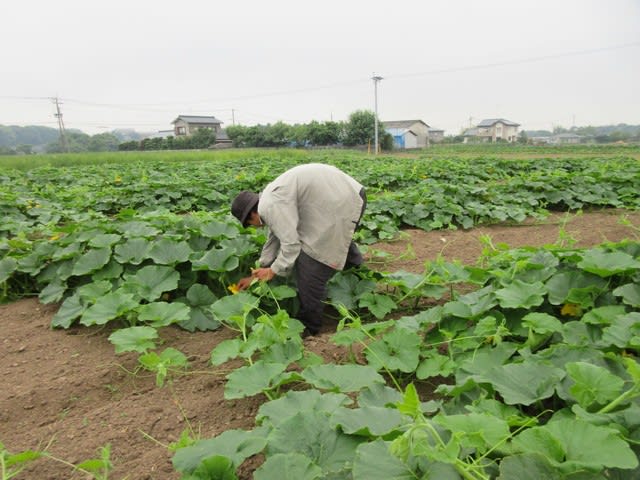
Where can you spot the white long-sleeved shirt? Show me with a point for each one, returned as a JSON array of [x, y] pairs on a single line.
[[313, 208]]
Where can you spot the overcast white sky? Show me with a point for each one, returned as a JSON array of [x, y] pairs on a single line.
[[140, 63]]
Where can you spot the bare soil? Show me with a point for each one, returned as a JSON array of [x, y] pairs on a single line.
[[67, 391]]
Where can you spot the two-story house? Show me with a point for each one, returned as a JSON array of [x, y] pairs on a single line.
[[186, 125], [492, 130]]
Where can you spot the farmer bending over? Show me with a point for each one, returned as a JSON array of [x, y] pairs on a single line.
[[311, 212]]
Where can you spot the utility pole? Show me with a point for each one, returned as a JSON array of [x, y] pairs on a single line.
[[63, 135], [233, 117], [376, 79]]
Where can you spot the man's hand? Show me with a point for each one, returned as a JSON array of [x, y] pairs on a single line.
[[264, 274], [244, 283]]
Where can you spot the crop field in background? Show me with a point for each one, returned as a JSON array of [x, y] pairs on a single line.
[[534, 350]]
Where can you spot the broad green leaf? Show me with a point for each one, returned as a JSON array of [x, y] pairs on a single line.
[[52, 292], [277, 411], [374, 461], [237, 445], [528, 466], [310, 434], [225, 308], [521, 295], [435, 365], [152, 281], [623, 329], [226, 350], [108, 307], [508, 413], [573, 445], [523, 383], [593, 384], [91, 261], [133, 251], [8, 265], [604, 315], [91, 292], [575, 287], [367, 421], [480, 431], [288, 466], [347, 288], [199, 295], [398, 350], [410, 404], [379, 395], [162, 314], [200, 318], [606, 264], [377, 304], [252, 379], [630, 294], [134, 339], [104, 240], [112, 270], [542, 323], [218, 230], [216, 467], [217, 260], [471, 305], [70, 309], [341, 378], [169, 252]]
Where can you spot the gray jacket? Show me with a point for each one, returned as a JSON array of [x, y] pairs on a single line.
[[313, 208]]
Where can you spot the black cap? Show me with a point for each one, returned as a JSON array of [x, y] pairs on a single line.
[[242, 205]]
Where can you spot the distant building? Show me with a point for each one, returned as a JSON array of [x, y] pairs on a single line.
[[403, 138], [417, 128], [566, 138], [163, 134], [436, 135], [492, 130], [186, 125]]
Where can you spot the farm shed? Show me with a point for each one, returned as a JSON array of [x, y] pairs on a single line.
[[418, 127], [403, 138]]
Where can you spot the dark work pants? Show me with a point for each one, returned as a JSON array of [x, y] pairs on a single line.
[[312, 277]]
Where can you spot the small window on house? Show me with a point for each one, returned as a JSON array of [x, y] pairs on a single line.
[[181, 131]]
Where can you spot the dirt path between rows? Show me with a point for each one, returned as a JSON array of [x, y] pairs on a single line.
[[67, 390]]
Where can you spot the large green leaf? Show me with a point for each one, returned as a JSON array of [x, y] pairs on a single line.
[[70, 309], [367, 421], [216, 467], [574, 445], [237, 445], [623, 332], [111, 306], [104, 240], [528, 466], [398, 350], [134, 339], [630, 294], [277, 411], [521, 295], [152, 281], [226, 308], [606, 264], [288, 466], [91, 261], [217, 260], [134, 251], [218, 230], [161, 314], [199, 295], [8, 265], [480, 431], [169, 252], [310, 434], [374, 461], [341, 378], [347, 288], [575, 287], [523, 383], [377, 304], [593, 384], [252, 379]]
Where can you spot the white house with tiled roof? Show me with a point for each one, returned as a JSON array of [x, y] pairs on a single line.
[[492, 130]]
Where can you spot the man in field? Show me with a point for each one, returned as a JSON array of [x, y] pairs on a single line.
[[311, 212]]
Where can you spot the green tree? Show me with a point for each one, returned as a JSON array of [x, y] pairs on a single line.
[[103, 142]]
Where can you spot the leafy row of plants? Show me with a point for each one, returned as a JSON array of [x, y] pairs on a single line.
[[536, 372]]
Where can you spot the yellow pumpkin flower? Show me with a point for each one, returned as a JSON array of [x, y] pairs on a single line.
[[233, 288], [571, 310]]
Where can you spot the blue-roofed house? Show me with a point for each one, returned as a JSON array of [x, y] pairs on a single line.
[[403, 138], [492, 130]]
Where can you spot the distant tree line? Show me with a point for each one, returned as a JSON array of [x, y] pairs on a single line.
[[358, 130]]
